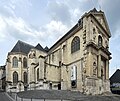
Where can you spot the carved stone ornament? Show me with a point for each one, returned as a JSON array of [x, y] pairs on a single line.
[[106, 44], [84, 37], [32, 54], [8, 59], [84, 70]]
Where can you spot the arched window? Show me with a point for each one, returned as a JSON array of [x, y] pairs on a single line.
[[15, 78], [75, 45], [37, 74], [25, 77], [99, 40], [25, 62], [15, 62]]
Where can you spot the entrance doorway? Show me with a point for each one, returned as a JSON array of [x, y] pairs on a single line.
[[59, 86], [50, 85]]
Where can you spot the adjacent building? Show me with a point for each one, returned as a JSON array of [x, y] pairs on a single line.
[[78, 61], [115, 82], [2, 77]]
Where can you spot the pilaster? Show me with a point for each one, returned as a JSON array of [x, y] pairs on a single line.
[[99, 66], [107, 69]]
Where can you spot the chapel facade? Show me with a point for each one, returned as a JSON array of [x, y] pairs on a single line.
[[79, 61]]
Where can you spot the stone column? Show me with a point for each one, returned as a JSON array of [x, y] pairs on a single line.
[[41, 68], [99, 66], [32, 74], [20, 70], [90, 67], [8, 73], [62, 69], [107, 69], [64, 77]]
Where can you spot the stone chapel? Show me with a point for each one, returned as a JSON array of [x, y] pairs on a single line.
[[79, 61]]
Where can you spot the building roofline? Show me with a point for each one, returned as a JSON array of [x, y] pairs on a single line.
[[107, 33], [94, 11], [18, 48], [71, 32], [76, 27], [117, 70], [12, 53]]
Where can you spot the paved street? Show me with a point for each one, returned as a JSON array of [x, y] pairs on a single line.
[[54, 95], [4, 97], [65, 96]]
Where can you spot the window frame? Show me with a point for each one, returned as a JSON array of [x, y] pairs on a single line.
[[15, 78], [25, 77], [24, 62], [38, 74], [75, 44], [14, 62]]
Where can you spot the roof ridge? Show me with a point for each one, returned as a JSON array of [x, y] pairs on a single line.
[[21, 46], [46, 48], [39, 47], [25, 43]]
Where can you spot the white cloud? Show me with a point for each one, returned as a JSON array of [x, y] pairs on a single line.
[[2, 29], [62, 14], [76, 12], [63, 17], [111, 11], [17, 28], [59, 11], [55, 29], [56, 26], [76, 15]]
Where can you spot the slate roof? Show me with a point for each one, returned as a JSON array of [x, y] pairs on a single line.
[[115, 78], [25, 48], [39, 47], [46, 49], [22, 47]]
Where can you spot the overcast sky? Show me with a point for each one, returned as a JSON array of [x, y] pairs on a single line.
[[45, 21]]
